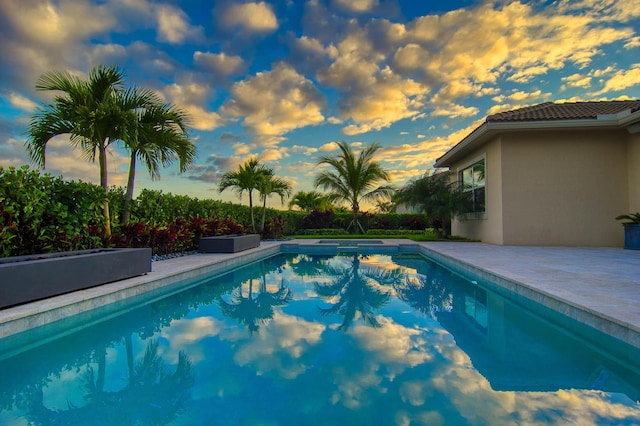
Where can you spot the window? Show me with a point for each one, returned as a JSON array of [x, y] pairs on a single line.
[[472, 179]]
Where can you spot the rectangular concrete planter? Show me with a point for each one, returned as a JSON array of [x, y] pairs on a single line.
[[28, 278], [229, 243]]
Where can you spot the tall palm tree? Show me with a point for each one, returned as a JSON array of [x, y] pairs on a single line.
[[93, 112], [245, 179], [354, 179], [268, 186], [159, 139], [308, 201]]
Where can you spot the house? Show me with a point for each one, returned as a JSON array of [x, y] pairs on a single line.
[[550, 174]]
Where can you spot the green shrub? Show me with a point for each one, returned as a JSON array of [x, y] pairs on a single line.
[[326, 231], [395, 232], [43, 214]]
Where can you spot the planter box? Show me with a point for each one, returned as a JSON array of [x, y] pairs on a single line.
[[632, 236], [229, 243], [28, 278]]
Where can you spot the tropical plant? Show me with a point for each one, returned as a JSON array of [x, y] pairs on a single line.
[[434, 195], [93, 112], [245, 179], [269, 185], [632, 218], [160, 138], [309, 201], [354, 179]]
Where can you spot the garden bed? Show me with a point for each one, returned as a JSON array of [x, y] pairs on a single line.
[[28, 278]]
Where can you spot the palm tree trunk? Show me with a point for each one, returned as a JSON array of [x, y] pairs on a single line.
[[102, 361], [253, 222], [126, 209], [102, 159], [129, 346], [264, 213]]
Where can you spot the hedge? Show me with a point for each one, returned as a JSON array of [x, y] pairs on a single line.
[[40, 213]]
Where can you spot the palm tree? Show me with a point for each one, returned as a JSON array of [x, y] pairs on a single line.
[[245, 179], [434, 195], [354, 179], [309, 201], [160, 138], [94, 112], [268, 186]]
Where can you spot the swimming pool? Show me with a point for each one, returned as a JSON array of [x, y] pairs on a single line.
[[354, 337]]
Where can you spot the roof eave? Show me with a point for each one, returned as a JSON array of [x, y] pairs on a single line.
[[488, 129]]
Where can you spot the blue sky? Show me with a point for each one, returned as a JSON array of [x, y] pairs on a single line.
[[284, 80]]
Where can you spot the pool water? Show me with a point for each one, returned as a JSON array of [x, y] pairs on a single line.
[[313, 339]]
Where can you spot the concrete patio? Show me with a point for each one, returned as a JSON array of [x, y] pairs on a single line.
[[598, 286]]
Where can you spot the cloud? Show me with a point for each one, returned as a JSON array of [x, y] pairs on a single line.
[[279, 349], [376, 100], [502, 108], [327, 147], [273, 154], [622, 80], [511, 40], [455, 111], [174, 26], [241, 149], [357, 6], [251, 17], [219, 64], [21, 102], [213, 169], [191, 97], [528, 74], [577, 80], [305, 150], [272, 103]]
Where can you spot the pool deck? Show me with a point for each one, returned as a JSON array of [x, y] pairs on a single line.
[[601, 284]]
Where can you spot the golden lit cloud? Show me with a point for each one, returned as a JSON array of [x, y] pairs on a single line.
[[455, 111], [252, 17], [622, 79], [21, 102], [272, 103], [356, 5]]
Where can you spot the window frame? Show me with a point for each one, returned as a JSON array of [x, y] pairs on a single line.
[[480, 214]]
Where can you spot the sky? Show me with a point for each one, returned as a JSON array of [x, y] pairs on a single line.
[[284, 80]]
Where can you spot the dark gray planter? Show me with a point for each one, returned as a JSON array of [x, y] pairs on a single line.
[[229, 243], [28, 278], [632, 236]]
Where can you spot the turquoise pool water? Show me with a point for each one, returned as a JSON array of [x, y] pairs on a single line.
[[316, 339]]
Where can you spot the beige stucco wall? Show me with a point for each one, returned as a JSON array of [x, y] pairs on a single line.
[[633, 149], [556, 188], [489, 228]]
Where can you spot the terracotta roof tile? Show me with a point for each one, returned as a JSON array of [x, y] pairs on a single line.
[[565, 111]]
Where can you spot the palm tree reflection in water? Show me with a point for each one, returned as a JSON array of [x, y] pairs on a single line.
[[137, 403], [359, 290], [255, 310]]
